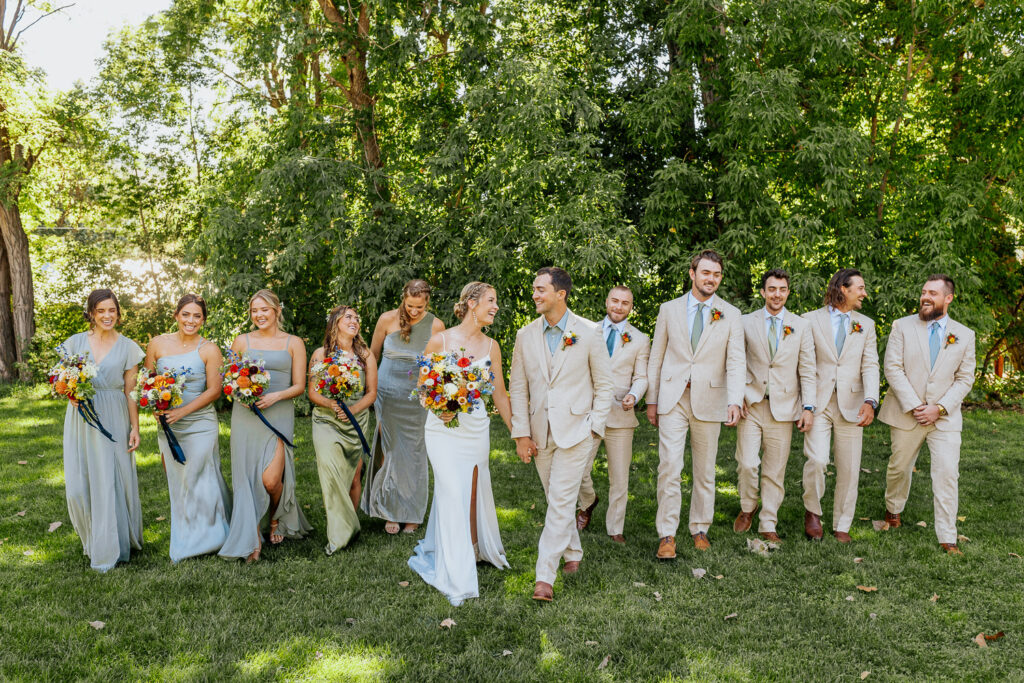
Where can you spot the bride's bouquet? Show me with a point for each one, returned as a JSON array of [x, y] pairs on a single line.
[[339, 376], [160, 391], [452, 383], [71, 379], [244, 379]]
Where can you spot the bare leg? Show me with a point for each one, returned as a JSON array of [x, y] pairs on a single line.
[[356, 490], [472, 507], [273, 482]]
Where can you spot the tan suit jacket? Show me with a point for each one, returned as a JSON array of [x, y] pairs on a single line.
[[569, 393], [852, 375], [791, 375], [629, 375], [913, 383], [715, 371]]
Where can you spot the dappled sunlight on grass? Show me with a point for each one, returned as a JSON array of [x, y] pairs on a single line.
[[512, 517], [308, 660]]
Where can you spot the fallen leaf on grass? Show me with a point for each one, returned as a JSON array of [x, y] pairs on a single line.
[[29, 553], [719, 576], [866, 589], [829, 473], [858, 560], [962, 538], [864, 519], [447, 623], [40, 456], [759, 547], [604, 662], [935, 597], [533, 505], [916, 470], [922, 523], [506, 653], [307, 507], [403, 584], [961, 519], [160, 518], [511, 476], [54, 526], [880, 524], [23, 462], [639, 584], [21, 514], [731, 616], [350, 621], [865, 470], [657, 596], [319, 655], [97, 624], [981, 638], [864, 674], [590, 642], [1015, 555], [872, 615], [699, 573], [849, 598]]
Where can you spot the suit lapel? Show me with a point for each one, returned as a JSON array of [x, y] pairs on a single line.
[[921, 334], [824, 322], [763, 334], [560, 352], [541, 348], [709, 329], [684, 323]]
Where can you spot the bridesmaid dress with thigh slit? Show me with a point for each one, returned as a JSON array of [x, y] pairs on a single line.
[[252, 450]]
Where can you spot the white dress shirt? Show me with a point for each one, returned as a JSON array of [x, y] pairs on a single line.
[[836, 317], [691, 310], [778, 324]]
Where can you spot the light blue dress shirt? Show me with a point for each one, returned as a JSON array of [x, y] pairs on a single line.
[[778, 325], [553, 333], [836, 317], [606, 324], [691, 310]]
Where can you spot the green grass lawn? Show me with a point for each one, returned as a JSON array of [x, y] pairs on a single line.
[[300, 615]]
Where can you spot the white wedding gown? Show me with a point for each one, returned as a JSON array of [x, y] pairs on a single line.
[[446, 558]]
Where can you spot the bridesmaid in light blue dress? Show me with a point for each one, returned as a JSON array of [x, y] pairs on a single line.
[[101, 484], [199, 496], [263, 466]]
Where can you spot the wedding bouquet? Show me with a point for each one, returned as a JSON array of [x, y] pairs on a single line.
[[452, 383], [339, 376], [71, 379], [244, 379], [160, 391]]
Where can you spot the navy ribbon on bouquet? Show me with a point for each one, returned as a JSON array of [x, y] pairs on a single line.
[[88, 412], [259, 414], [352, 421], [172, 441]]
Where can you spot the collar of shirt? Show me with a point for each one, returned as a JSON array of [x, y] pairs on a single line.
[[942, 324], [561, 324], [691, 304], [606, 323], [768, 316]]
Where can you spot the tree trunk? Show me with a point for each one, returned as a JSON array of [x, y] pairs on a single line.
[[7, 351], [23, 306]]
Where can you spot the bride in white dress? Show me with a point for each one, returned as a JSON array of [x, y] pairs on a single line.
[[462, 528]]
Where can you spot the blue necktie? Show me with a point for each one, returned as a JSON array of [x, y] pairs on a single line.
[[611, 340], [841, 334], [933, 343]]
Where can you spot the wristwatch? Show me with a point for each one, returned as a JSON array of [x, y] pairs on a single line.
[[942, 411], [810, 408], [873, 403]]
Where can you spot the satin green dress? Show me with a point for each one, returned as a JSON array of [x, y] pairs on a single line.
[[338, 451]]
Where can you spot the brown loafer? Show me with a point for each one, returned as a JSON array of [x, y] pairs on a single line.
[[543, 592], [951, 548], [812, 526], [892, 520], [700, 541], [571, 567], [583, 517], [842, 536], [618, 538], [742, 523], [771, 537], [667, 548]]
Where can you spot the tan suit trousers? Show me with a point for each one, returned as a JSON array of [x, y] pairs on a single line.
[[760, 427], [561, 471], [945, 456], [672, 429], [618, 445], [849, 440]]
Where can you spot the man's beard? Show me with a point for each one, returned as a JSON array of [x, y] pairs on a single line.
[[934, 314]]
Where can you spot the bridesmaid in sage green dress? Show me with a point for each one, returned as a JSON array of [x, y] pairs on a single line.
[[262, 466], [339, 452], [100, 480], [397, 478], [199, 497]]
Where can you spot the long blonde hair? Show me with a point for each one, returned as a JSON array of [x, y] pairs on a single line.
[[412, 288], [271, 299]]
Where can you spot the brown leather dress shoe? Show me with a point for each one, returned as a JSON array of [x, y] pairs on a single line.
[[842, 536], [583, 516], [618, 538], [543, 592], [571, 567], [812, 526], [667, 548], [771, 537], [951, 548], [701, 542], [742, 523], [892, 520]]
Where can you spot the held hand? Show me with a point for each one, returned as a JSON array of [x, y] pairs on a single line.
[[652, 414], [268, 400], [866, 415], [805, 421], [339, 413], [734, 416], [173, 415], [745, 410], [629, 402], [926, 414], [133, 439], [447, 417], [74, 403], [525, 448]]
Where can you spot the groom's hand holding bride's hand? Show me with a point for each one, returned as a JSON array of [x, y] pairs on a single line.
[[526, 448], [652, 414]]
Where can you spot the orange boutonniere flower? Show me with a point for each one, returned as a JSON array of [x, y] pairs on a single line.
[[786, 331], [716, 315], [626, 338], [856, 327], [570, 339], [951, 339]]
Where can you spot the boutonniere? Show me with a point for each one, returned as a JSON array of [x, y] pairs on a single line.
[[716, 315], [570, 339], [786, 331], [856, 327], [626, 338], [951, 339]]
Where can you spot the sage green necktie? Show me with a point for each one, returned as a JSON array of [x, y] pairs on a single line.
[[773, 341], [698, 326], [841, 333]]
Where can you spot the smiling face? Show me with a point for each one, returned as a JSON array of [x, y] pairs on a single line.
[[545, 297], [415, 307], [935, 300], [775, 294], [348, 325], [105, 315], [706, 278], [618, 305], [190, 318], [855, 293], [263, 315]]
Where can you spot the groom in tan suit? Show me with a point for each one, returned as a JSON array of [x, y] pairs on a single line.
[[628, 351], [846, 353], [561, 390], [781, 389], [929, 362], [695, 375]]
